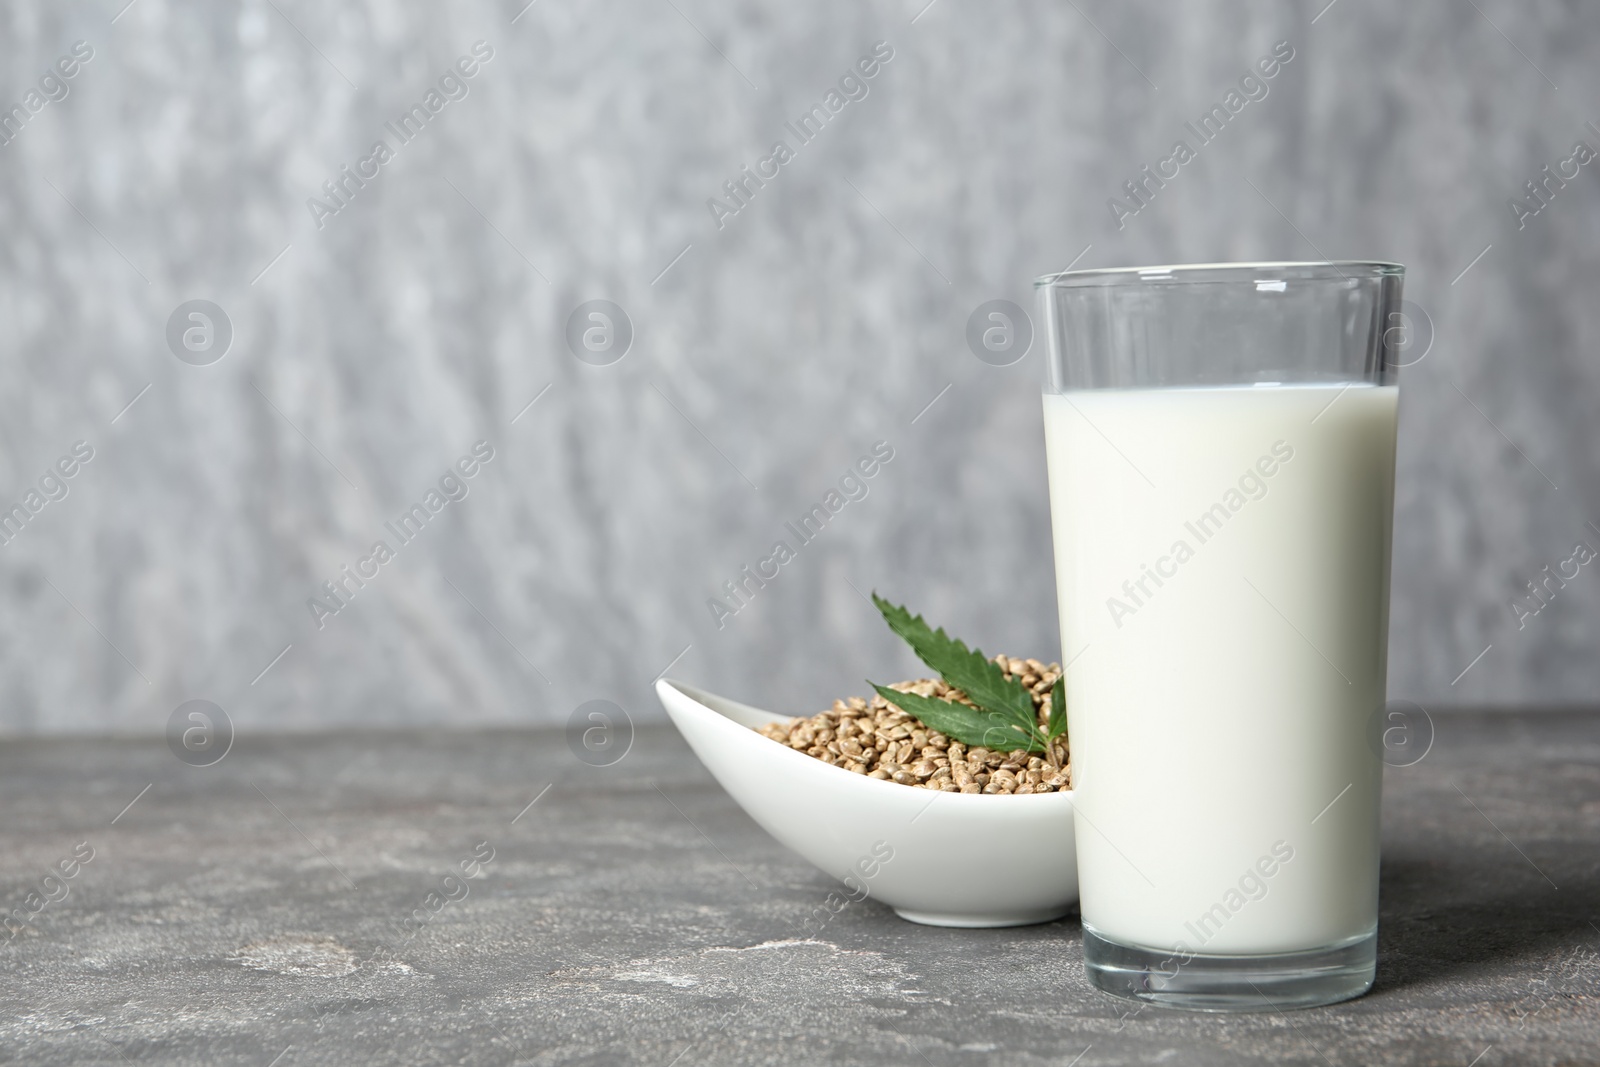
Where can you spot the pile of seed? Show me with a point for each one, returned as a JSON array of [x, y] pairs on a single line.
[[871, 737]]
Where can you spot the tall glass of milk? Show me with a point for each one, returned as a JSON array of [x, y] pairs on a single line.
[[1221, 443]]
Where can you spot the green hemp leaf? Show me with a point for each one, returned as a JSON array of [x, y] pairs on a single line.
[[1058, 708], [1004, 719]]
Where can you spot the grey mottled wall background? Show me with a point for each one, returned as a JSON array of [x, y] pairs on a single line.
[[370, 354]]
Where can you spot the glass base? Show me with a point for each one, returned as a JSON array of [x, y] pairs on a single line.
[[1232, 983]]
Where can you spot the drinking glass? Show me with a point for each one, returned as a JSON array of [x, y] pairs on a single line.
[[1220, 443]]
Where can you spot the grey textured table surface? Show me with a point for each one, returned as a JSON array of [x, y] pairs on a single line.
[[239, 914]]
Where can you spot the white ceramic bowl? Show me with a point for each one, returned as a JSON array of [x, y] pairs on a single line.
[[946, 859]]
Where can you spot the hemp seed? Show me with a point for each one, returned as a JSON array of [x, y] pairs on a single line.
[[872, 738]]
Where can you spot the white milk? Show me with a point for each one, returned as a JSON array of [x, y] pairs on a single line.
[[1222, 556]]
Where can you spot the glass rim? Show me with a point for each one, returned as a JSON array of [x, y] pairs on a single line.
[[1192, 273]]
